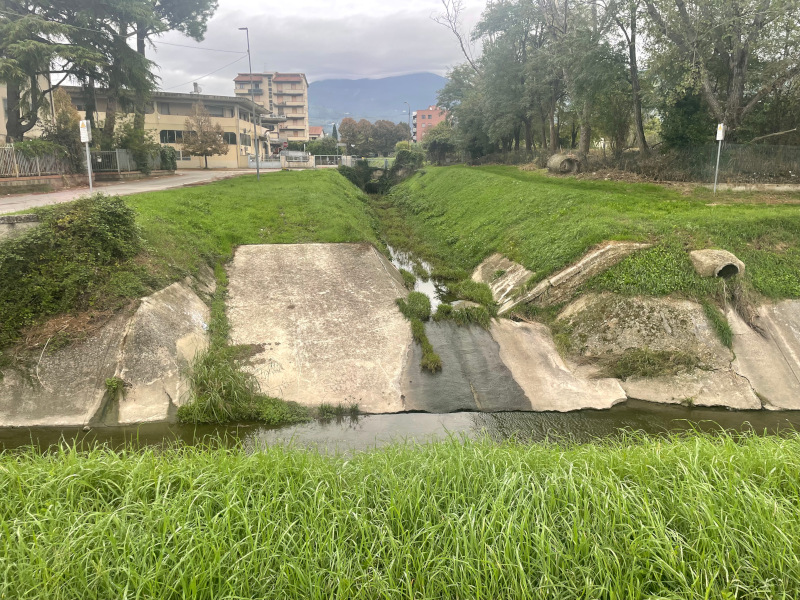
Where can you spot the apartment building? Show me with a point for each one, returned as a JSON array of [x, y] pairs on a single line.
[[281, 94], [423, 120], [166, 115]]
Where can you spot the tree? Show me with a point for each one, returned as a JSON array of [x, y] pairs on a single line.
[[64, 129], [439, 142], [334, 133], [348, 130], [735, 53], [36, 40], [323, 146], [202, 137]]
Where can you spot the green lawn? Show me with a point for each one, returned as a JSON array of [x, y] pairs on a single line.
[[188, 227], [459, 215], [691, 518]]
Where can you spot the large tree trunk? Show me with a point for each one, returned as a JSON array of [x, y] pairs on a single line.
[[551, 117], [141, 95], [516, 139], [107, 141], [638, 123], [529, 143], [585, 140]]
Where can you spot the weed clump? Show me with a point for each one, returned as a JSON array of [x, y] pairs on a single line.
[[409, 279], [643, 362], [430, 360], [478, 315], [416, 306], [473, 291], [719, 323], [326, 411]]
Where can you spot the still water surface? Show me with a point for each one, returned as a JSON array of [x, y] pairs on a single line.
[[373, 431]]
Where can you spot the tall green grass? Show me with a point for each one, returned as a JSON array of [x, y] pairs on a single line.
[[456, 216], [696, 517]]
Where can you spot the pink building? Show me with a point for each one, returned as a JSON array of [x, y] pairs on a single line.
[[423, 120]]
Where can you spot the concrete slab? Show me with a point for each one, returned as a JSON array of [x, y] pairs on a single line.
[[699, 388], [473, 376], [770, 362], [163, 337], [529, 352], [505, 277], [64, 388], [323, 322]]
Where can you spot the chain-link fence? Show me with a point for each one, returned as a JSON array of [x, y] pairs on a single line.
[[738, 163]]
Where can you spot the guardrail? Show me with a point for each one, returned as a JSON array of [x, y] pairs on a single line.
[[328, 160]]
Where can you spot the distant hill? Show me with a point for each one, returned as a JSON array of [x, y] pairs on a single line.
[[372, 99]]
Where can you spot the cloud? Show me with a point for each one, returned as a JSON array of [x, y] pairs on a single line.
[[324, 40]]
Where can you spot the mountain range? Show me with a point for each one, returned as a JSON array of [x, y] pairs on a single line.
[[331, 100]]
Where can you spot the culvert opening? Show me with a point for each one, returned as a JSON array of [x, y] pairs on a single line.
[[728, 271]]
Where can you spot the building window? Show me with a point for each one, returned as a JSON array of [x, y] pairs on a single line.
[[229, 138], [244, 139], [163, 108], [171, 136]]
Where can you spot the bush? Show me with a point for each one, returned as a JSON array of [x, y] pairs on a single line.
[[473, 291], [417, 305], [40, 148], [65, 261], [169, 158]]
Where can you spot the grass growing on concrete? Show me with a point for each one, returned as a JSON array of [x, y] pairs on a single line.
[[681, 517], [719, 322], [417, 309], [409, 279], [221, 390], [454, 217], [644, 362], [478, 315]]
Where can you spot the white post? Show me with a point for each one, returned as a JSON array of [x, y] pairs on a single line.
[[720, 137], [89, 166], [86, 137]]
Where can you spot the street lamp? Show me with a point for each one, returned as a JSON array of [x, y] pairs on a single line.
[[253, 100], [409, 124]]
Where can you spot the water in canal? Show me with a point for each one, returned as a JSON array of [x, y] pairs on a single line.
[[373, 431]]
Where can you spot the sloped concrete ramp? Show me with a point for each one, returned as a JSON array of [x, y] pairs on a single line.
[[322, 321]]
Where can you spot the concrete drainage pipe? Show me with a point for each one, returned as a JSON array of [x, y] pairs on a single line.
[[716, 263]]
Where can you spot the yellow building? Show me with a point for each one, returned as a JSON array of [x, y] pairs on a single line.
[[166, 117], [282, 94]]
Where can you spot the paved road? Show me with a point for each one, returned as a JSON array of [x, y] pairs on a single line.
[[18, 202]]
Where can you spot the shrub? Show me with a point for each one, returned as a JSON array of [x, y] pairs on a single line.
[[416, 306], [169, 158], [473, 291], [62, 264], [40, 148]]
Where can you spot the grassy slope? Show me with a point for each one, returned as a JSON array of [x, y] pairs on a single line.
[[705, 517], [460, 215], [187, 227]]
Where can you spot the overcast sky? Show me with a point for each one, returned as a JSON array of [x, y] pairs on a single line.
[[329, 39]]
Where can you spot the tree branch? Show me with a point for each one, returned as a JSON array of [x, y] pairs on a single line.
[[451, 18]]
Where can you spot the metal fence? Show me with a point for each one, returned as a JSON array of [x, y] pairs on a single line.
[[328, 160], [110, 161], [739, 163], [295, 156], [15, 164], [380, 163]]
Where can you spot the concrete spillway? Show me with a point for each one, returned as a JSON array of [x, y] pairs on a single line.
[[324, 327]]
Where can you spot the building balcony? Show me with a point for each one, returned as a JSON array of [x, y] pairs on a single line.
[[290, 92], [293, 127], [246, 92]]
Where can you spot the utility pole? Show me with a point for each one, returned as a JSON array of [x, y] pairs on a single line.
[[409, 124], [256, 141]]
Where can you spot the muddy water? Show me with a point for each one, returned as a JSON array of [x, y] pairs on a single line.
[[368, 432]]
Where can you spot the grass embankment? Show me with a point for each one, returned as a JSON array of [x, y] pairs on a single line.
[[456, 216], [704, 517], [91, 257]]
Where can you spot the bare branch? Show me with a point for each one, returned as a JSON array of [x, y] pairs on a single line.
[[769, 135], [451, 18]]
